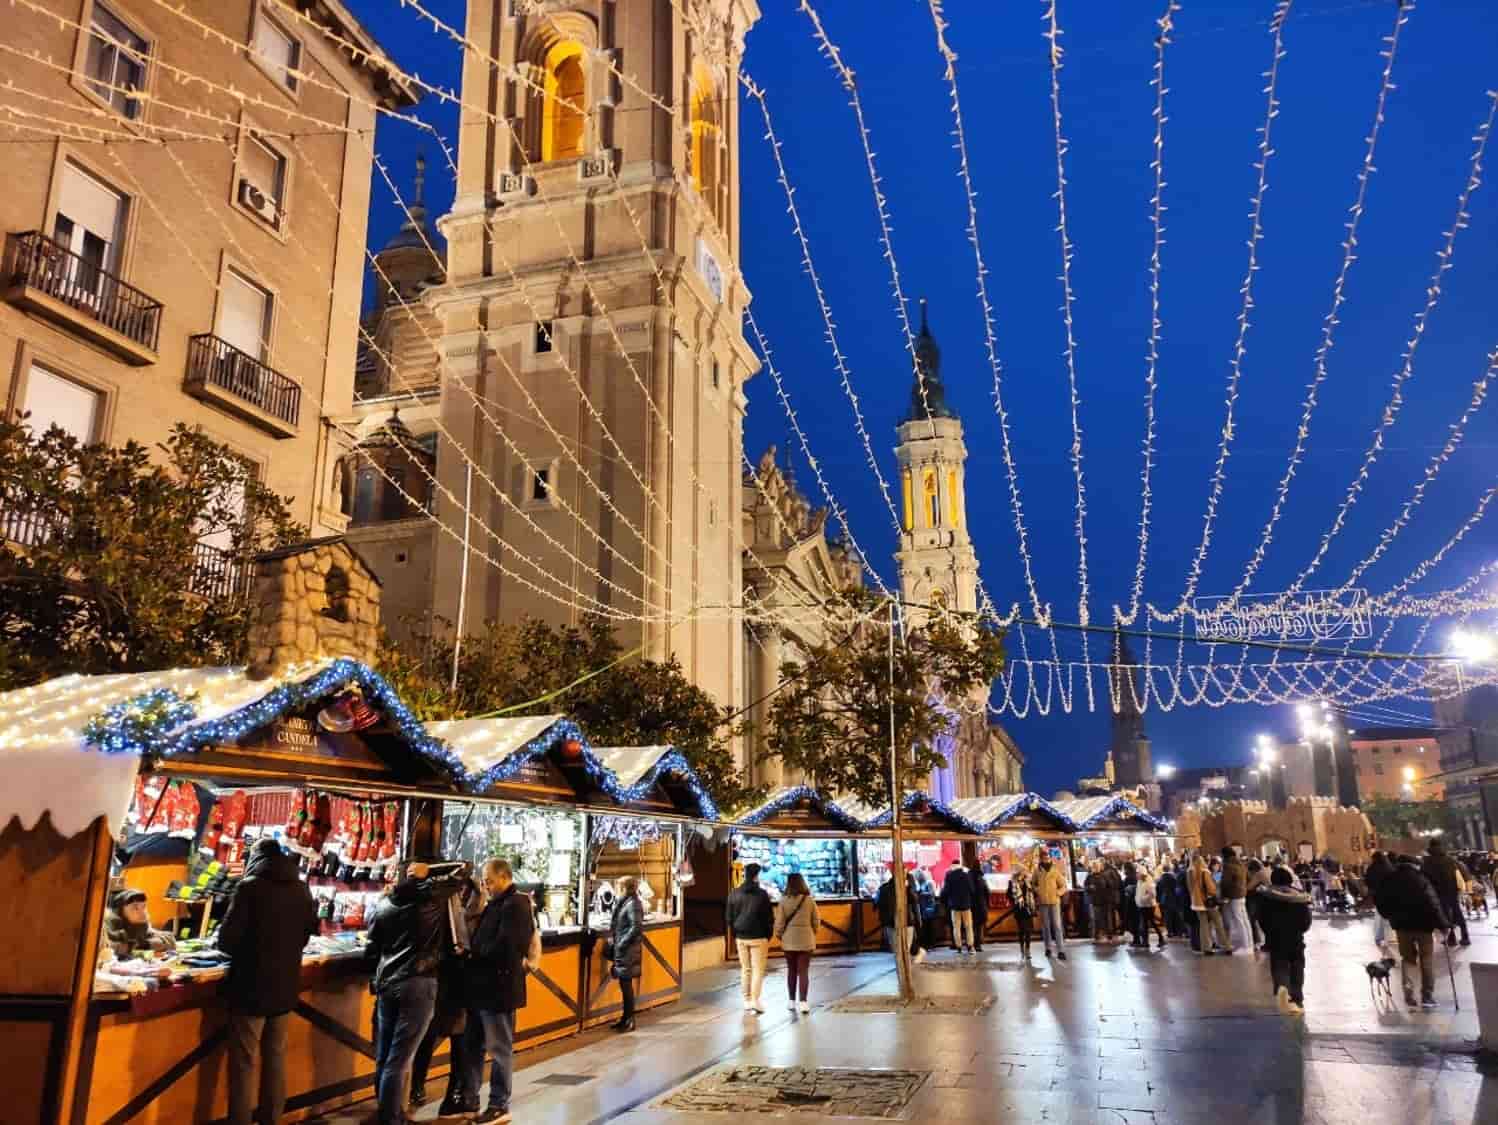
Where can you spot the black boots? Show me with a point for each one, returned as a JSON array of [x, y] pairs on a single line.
[[626, 1024]]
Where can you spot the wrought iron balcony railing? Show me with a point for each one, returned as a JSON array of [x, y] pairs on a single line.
[[35, 262], [212, 362]]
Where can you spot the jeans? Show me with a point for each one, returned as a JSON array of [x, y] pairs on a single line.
[[492, 1033], [248, 1036], [797, 971], [1209, 920], [1382, 931], [1289, 972], [1235, 910], [1253, 922], [1451, 906], [1416, 946], [1051, 932], [1147, 918], [962, 929], [754, 955], [406, 1009]]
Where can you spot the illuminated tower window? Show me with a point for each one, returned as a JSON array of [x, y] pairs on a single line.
[[564, 119]]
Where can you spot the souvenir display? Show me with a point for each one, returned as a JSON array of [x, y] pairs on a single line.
[[825, 864]]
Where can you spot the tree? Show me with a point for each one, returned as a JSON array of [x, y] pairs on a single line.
[[832, 720], [1393, 819], [862, 712], [103, 561], [532, 668]]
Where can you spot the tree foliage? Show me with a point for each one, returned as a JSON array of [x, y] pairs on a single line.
[[832, 719], [631, 701], [1393, 819], [102, 553]]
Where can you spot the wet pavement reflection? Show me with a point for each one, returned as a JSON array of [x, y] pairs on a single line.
[[1113, 1035]]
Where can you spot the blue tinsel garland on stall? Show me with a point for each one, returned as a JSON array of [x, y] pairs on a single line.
[[791, 797]]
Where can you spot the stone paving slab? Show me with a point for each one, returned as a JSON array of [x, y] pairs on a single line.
[[920, 1006]]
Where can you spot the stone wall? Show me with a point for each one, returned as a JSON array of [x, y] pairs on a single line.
[[313, 601], [1331, 829]]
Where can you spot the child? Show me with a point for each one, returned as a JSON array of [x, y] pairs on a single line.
[[1285, 915]]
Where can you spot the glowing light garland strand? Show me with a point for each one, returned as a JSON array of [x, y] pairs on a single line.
[[830, 331], [1256, 234], [1339, 295], [1053, 35], [1444, 258], [1041, 611], [1166, 24]]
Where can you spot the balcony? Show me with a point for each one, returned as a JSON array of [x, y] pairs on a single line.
[[217, 574], [46, 278], [220, 373]]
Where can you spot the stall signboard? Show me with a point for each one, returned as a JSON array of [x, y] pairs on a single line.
[[297, 744], [536, 777]]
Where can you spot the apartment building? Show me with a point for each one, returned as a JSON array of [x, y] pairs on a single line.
[[185, 213]]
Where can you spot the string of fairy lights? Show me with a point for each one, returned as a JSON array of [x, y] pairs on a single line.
[[1027, 683]]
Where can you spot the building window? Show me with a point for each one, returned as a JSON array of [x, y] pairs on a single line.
[[52, 400], [712, 513], [541, 486], [716, 375], [707, 141], [930, 501], [1399, 749], [90, 223], [115, 62], [276, 51], [543, 337], [262, 179], [1378, 768], [907, 491], [364, 496], [244, 315], [564, 116], [1376, 751]]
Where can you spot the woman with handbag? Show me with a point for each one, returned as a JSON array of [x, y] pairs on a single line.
[[626, 947], [1207, 907], [796, 924]]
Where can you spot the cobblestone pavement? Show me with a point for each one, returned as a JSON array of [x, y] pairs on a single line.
[[1111, 1036], [825, 1091]]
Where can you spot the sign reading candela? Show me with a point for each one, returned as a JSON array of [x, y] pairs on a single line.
[[1311, 615]]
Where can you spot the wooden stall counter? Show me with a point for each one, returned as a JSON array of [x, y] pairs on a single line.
[[660, 975], [158, 1056]]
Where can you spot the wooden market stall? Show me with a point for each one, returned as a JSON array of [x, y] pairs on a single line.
[[797, 829], [143, 1043], [1114, 826], [995, 833], [574, 819]]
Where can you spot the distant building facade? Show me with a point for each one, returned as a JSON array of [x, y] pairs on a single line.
[[1392, 763]]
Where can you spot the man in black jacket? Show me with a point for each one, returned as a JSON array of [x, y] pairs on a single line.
[[957, 898], [269, 920], [1441, 869], [408, 939], [1285, 916], [884, 903], [980, 905], [751, 920], [1406, 898], [496, 988]]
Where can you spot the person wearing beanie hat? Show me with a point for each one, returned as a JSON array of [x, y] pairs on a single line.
[[127, 926], [1285, 916], [270, 919]]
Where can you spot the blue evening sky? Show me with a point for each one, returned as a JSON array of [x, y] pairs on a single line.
[[1448, 59]]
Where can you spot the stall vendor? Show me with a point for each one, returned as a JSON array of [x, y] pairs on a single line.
[[127, 927]]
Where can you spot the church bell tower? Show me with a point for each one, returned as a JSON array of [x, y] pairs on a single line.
[[938, 566], [592, 357]]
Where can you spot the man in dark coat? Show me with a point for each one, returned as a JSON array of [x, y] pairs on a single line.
[[409, 939], [957, 898], [496, 988], [1441, 869], [751, 920], [980, 906], [1285, 916], [1407, 899], [267, 925]]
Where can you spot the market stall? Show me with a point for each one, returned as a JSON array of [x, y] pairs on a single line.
[[998, 834], [161, 783], [801, 830], [1115, 828], [573, 820]]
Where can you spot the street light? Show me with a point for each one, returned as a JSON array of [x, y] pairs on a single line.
[[1473, 648], [1164, 771]]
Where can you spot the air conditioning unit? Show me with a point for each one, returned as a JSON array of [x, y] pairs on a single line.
[[260, 203]]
